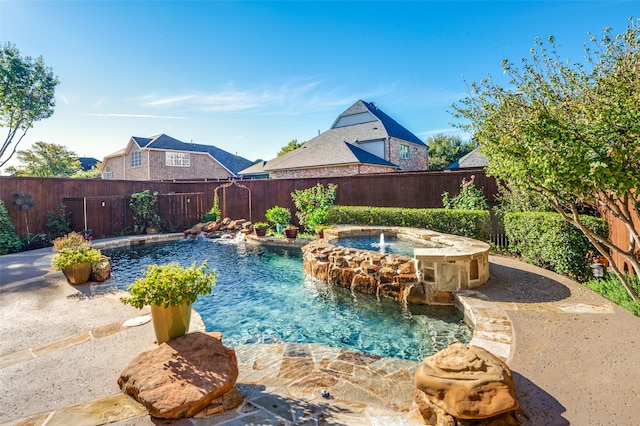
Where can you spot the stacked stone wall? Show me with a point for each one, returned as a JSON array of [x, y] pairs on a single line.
[[383, 275]]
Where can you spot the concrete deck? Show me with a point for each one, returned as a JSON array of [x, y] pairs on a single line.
[[574, 355]]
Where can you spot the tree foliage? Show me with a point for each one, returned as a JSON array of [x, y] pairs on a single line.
[[293, 144], [27, 89], [447, 149], [46, 160], [569, 131]]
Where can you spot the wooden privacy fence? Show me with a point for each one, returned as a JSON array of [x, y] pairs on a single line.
[[102, 205], [111, 215]]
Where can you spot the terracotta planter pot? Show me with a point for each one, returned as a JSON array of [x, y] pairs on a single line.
[[101, 271], [291, 233], [78, 273], [170, 322], [261, 232]]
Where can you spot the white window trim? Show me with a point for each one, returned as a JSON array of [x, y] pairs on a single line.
[[136, 159], [406, 153], [177, 159]]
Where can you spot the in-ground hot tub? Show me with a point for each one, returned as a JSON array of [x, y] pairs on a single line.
[[441, 265]]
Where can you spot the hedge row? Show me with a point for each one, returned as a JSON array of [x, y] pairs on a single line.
[[468, 223], [549, 241]]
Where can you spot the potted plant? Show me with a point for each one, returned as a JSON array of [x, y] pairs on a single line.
[[145, 218], [74, 257], [320, 230], [170, 290], [291, 232], [279, 216], [261, 228]]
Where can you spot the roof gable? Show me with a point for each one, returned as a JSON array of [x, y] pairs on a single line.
[[361, 113], [233, 163], [394, 129]]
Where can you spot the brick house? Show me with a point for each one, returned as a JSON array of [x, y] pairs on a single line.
[[162, 157], [362, 140]]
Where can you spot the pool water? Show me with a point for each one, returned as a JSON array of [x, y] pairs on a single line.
[[263, 296], [373, 243]]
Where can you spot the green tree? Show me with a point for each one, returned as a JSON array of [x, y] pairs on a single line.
[[569, 131], [293, 144], [446, 149], [27, 89], [46, 160]]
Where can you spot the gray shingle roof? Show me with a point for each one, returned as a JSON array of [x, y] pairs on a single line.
[[324, 153], [233, 163], [472, 159], [390, 126]]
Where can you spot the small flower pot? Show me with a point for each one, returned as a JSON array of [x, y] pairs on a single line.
[[261, 232], [78, 273], [291, 234], [170, 322]]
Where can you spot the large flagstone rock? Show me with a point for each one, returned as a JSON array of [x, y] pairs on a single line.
[[464, 383], [183, 376]]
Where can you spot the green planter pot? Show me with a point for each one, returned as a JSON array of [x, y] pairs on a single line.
[[78, 273], [170, 322]]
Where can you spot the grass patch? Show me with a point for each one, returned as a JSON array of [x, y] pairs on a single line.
[[611, 288]]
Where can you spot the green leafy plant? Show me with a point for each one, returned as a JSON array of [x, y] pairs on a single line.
[[214, 213], [309, 200], [9, 240], [72, 249], [279, 216], [143, 205], [261, 225], [291, 227], [547, 240], [58, 221], [170, 285], [469, 197], [467, 223], [611, 288]]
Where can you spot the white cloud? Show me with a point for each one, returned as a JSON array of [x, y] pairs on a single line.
[[169, 117]]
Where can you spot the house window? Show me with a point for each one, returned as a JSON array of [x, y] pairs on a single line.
[[177, 159], [108, 173], [136, 159], [404, 152]]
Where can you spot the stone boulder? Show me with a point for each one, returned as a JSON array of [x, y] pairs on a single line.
[[464, 383], [183, 376]]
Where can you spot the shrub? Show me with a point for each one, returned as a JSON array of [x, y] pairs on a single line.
[[143, 205], [58, 221], [308, 201], [170, 285], [9, 240], [467, 223], [547, 240], [469, 198], [611, 288], [278, 216]]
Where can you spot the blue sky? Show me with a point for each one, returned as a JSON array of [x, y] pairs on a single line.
[[248, 77]]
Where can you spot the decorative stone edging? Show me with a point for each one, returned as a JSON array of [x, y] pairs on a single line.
[[492, 328], [442, 264]]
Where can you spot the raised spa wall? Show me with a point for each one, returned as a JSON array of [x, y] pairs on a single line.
[[446, 264]]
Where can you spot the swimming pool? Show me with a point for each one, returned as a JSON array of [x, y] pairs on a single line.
[[263, 296]]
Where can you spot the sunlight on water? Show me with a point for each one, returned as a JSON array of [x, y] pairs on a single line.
[[262, 295]]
